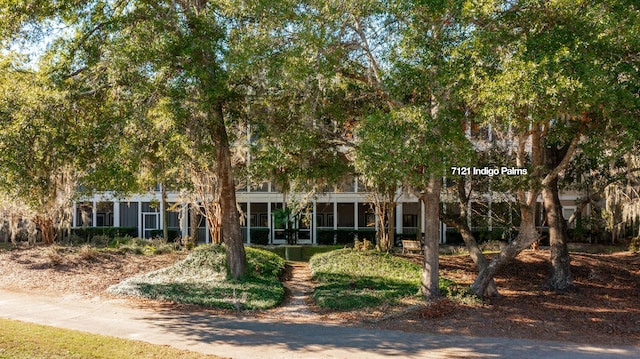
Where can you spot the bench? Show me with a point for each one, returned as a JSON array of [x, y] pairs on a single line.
[[410, 246]]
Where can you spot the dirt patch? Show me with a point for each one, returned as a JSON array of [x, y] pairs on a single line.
[[605, 309], [60, 270]]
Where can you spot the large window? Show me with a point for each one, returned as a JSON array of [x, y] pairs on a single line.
[[129, 214], [104, 214], [84, 214]]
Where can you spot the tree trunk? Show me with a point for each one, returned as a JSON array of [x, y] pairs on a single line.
[[213, 217], [46, 228], [527, 235], [560, 278], [430, 264], [391, 231], [231, 232], [14, 220], [474, 252], [460, 223], [193, 238]]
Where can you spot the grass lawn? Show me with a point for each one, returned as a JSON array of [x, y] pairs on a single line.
[[26, 340], [202, 279], [349, 279]]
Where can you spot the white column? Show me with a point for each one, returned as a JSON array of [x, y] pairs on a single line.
[[116, 214], [422, 220], [248, 222], [207, 237], [184, 222], [74, 215], [399, 213], [140, 224], [314, 225], [94, 213], [335, 215], [355, 215], [161, 215], [270, 241]]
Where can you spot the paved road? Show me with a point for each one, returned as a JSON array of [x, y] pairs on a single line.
[[249, 338]]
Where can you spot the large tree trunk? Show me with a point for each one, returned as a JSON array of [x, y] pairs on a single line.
[[212, 92], [193, 238], [560, 278], [46, 228], [460, 223], [231, 232], [527, 235], [430, 264], [475, 253]]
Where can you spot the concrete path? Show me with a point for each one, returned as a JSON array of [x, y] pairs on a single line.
[[250, 338]]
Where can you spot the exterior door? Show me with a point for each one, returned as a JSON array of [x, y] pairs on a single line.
[[150, 222]]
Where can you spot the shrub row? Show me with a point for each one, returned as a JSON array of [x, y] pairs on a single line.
[[173, 234], [260, 236], [344, 236], [111, 232]]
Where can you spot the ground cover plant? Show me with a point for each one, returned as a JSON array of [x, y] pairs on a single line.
[[26, 340], [348, 279], [202, 279]]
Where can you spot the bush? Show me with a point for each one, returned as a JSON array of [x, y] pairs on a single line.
[[111, 232], [634, 246], [100, 241], [363, 245], [88, 253], [482, 235], [344, 236], [325, 237], [159, 233], [260, 236]]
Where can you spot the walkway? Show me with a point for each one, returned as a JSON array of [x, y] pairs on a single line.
[[238, 337]]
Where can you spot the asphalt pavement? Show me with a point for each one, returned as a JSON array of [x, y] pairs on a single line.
[[238, 337]]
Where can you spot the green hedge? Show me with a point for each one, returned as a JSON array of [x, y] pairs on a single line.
[[173, 234], [344, 236], [306, 251], [111, 232], [260, 236], [482, 235]]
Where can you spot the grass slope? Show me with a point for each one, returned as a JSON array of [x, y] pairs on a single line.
[[349, 279], [26, 340], [202, 279]]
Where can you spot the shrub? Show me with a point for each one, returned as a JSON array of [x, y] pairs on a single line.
[[634, 246], [325, 237], [88, 253], [119, 241], [159, 233], [260, 236], [493, 246], [345, 236], [54, 256], [363, 245], [111, 232], [100, 241]]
